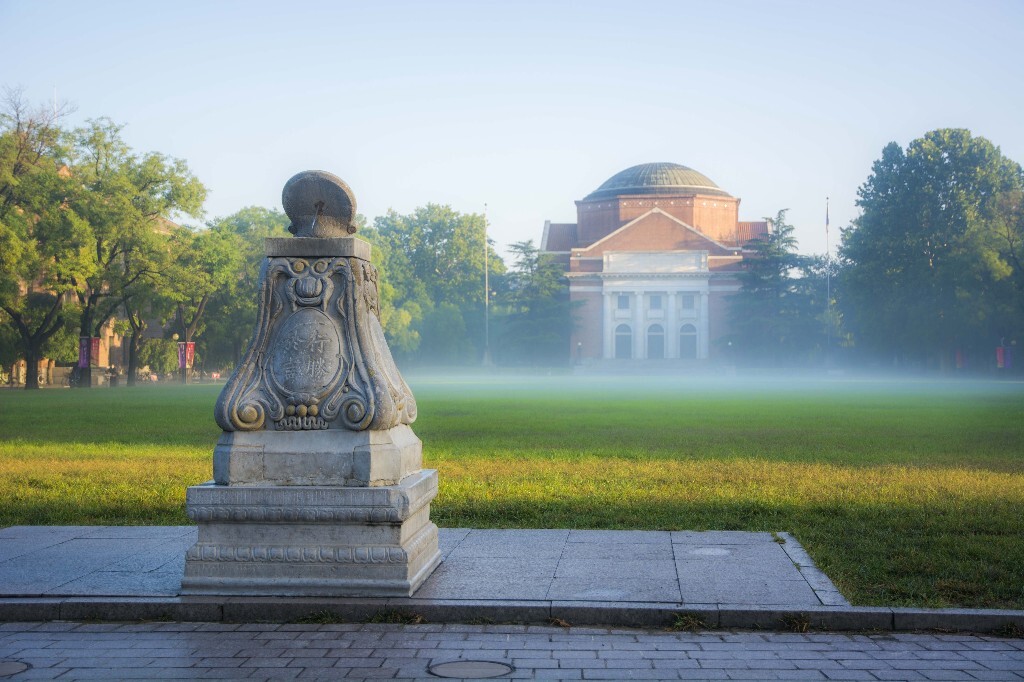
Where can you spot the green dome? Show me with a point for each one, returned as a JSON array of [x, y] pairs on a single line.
[[656, 178]]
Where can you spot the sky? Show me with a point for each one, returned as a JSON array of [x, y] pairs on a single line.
[[526, 107]]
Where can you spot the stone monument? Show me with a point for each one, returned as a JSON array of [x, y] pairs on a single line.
[[318, 483]]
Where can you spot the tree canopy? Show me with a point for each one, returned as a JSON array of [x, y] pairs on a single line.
[[80, 217], [44, 243], [932, 266], [538, 317], [931, 272], [778, 316], [234, 303], [432, 267]]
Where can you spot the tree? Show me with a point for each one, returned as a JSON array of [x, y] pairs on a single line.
[[122, 199], [538, 321], [932, 261], [400, 317], [142, 290], [42, 239], [232, 308], [78, 215], [432, 264], [160, 355], [777, 316], [204, 263]]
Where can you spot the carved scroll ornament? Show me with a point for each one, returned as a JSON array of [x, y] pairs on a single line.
[[318, 358]]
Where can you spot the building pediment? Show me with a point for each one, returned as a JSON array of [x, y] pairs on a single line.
[[653, 231]]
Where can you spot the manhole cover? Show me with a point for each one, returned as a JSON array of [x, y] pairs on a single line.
[[470, 669], [12, 668]]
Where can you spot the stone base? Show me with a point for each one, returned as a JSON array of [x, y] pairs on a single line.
[[329, 457], [312, 540]]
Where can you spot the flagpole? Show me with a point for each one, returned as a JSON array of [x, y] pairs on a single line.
[[487, 298], [828, 292]]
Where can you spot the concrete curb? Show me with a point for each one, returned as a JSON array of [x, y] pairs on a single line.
[[637, 614]]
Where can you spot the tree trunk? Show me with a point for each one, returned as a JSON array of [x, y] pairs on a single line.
[[134, 345], [32, 368], [85, 329]]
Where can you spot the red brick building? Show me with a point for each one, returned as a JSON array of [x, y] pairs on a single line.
[[651, 260]]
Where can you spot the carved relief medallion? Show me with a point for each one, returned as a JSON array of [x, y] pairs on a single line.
[[306, 364]]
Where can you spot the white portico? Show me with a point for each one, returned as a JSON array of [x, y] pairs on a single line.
[[655, 304]]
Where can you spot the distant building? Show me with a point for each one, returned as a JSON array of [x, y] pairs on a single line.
[[651, 260]]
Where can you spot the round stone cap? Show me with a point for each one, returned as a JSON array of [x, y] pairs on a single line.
[[319, 204]]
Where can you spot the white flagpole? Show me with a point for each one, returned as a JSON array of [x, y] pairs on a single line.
[[828, 291], [487, 297]]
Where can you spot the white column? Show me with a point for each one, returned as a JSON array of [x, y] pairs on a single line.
[[608, 326], [672, 327], [639, 347], [705, 327]]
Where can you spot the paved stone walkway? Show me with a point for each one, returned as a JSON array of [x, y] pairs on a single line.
[[725, 579], [682, 567], [112, 651]]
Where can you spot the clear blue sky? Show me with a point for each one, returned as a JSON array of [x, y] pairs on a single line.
[[527, 106]]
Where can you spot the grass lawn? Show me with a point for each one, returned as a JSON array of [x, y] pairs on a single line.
[[907, 493]]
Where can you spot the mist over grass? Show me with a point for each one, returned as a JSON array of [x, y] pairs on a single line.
[[907, 492]]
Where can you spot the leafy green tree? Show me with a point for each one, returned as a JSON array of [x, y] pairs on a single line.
[[43, 241], [816, 280], [122, 198], [432, 264], [538, 320], [160, 356], [932, 264], [445, 340], [143, 290], [776, 316], [205, 262], [232, 308], [401, 313], [9, 349]]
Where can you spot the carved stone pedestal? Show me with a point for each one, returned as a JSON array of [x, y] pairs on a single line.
[[331, 457], [318, 482], [312, 540]]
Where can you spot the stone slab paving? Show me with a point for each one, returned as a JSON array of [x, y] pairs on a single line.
[[720, 579], [115, 651], [533, 565]]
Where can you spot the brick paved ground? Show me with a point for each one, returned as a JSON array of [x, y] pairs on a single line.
[[113, 651]]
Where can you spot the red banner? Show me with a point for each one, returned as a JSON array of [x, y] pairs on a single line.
[[186, 354], [94, 351]]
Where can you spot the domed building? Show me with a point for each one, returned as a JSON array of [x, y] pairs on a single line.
[[651, 260]]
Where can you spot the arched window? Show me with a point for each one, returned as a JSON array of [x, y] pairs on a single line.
[[655, 342], [623, 342], [688, 342]]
